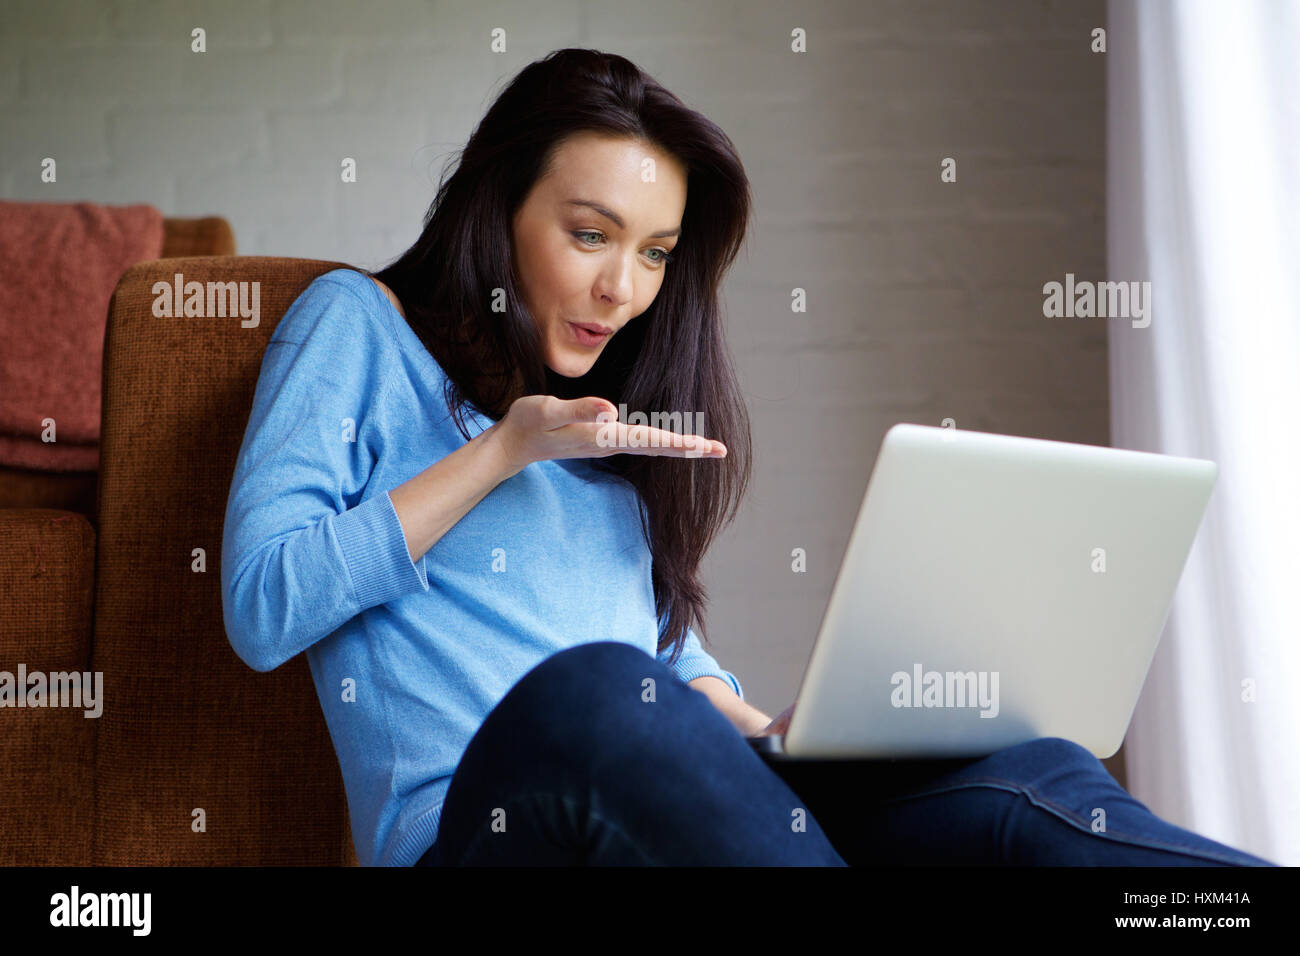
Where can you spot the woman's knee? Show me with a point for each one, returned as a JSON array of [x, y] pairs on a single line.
[[583, 690], [1052, 764], [1048, 752], [593, 656], [593, 666]]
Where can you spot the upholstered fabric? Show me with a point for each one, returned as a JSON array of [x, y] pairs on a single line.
[[59, 263], [188, 726], [185, 725], [34, 487], [47, 580]]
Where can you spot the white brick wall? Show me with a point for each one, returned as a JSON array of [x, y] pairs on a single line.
[[924, 298]]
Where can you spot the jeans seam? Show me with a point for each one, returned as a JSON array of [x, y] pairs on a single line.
[[595, 814], [478, 837], [1068, 816]]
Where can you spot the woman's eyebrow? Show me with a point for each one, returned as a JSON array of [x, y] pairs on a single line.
[[616, 219]]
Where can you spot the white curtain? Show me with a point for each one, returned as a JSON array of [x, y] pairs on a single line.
[[1204, 201]]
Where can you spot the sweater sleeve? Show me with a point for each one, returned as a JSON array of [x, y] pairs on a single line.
[[695, 662], [301, 552]]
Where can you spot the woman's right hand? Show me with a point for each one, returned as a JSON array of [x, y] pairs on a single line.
[[780, 725], [543, 427]]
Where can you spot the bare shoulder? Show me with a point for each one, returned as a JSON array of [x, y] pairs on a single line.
[[392, 296]]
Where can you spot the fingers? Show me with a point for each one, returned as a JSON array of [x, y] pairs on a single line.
[[591, 409], [782, 721], [644, 440], [617, 437]]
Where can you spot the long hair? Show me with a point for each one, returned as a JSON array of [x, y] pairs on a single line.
[[673, 359]]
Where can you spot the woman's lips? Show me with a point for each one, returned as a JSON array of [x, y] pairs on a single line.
[[584, 336]]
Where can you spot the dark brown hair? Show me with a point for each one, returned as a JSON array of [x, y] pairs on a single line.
[[671, 358]]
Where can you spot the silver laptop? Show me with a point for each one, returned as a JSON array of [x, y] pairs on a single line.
[[995, 589]]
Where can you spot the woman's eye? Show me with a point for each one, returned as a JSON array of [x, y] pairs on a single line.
[[664, 254]]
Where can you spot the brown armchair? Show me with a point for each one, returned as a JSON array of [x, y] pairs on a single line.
[[188, 732], [47, 560]]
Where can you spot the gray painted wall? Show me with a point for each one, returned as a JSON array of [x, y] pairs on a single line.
[[924, 298]]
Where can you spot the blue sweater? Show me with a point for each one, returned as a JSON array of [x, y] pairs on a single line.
[[409, 657]]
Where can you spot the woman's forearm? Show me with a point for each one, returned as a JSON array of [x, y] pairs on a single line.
[[745, 718], [431, 503]]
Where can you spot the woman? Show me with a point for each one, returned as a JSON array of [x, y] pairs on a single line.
[[499, 613]]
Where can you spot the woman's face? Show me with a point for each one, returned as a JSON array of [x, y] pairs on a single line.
[[589, 242]]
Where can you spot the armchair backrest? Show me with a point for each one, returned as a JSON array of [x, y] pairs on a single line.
[[199, 759]]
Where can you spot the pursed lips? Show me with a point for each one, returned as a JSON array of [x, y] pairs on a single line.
[[593, 328]]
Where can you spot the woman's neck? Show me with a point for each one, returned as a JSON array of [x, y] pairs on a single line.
[[561, 386]]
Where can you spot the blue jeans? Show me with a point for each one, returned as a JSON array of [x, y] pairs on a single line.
[[574, 767]]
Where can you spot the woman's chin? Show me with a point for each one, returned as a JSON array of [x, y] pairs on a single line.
[[572, 366]]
